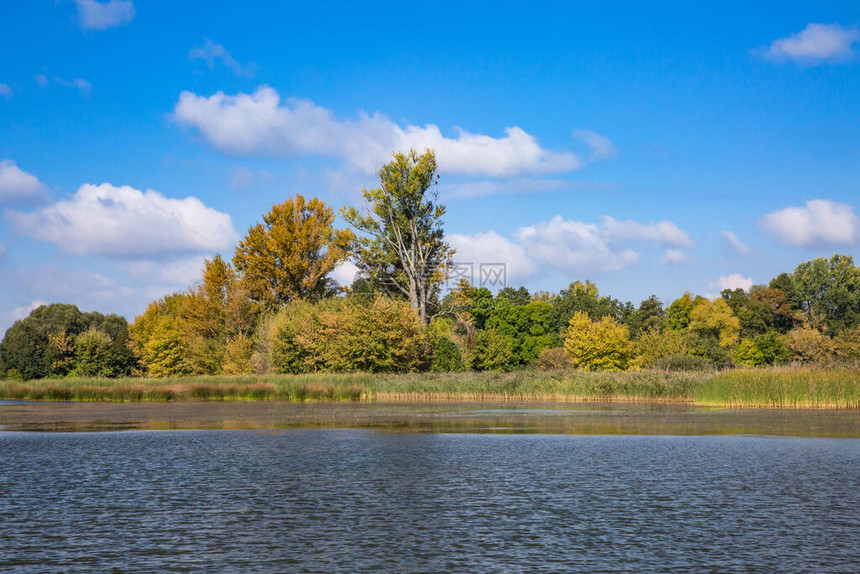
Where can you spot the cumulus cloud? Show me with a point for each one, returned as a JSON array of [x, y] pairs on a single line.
[[488, 249], [123, 221], [814, 44], [733, 281], [819, 223], [17, 187], [248, 124], [5, 91], [572, 246], [211, 52], [732, 242], [103, 15]]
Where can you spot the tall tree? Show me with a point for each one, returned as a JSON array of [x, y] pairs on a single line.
[[828, 291], [290, 255], [404, 250]]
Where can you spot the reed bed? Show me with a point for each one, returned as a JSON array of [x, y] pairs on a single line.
[[782, 388], [517, 386], [747, 388]]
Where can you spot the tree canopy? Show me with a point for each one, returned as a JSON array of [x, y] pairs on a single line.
[[403, 249], [291, 254]]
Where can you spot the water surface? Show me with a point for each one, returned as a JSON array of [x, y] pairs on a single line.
[[357, 500]]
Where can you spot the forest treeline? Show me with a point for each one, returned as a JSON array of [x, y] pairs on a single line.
[[275, 309]]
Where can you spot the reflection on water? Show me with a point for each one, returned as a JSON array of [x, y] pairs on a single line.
[[363, 501], [600, 418]]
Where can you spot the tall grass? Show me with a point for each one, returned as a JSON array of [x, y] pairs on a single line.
[[781, 388], [768, 388], [521, 385]]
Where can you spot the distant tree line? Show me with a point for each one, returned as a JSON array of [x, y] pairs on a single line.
[[275, 309]]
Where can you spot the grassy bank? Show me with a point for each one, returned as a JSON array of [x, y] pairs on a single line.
[[763, 388]]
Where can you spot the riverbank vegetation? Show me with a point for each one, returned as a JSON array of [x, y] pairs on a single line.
[[747, 388], [272, 323]]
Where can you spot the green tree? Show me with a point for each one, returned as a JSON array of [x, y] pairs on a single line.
[[678, 313], [602, 345], [494, 351], [828, 291], [291, 254], [43, 343], [649, 315], [159, 338], [446, 356], [93, 354], [586, 298], [403, 249]]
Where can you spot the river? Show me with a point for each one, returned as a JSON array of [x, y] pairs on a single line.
[[497, 497]]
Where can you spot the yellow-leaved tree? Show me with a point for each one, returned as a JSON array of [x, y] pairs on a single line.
[[715, 319], [291, 254], [602, 345]]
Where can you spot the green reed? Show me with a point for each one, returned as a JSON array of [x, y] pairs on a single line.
[[782, 388]]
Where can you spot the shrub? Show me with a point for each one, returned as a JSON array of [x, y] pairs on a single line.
[[655, 344], [748, 354], [553, 359], [446, 356], [809, 345]]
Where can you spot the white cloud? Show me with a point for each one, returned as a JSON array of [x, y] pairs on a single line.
[[571, 246], [491, 248], [5, 91], [600, 145], [103, 15], [248, 124], [663, 232], [820, 223], [345, 273], [210, 52], [815, 43], [178, 271], [80, 84], [575, 246], [123, 221], [18, 187], [733, 281], [674, 257], [731, 240]]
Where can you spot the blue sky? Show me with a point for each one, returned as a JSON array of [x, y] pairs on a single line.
[[650, 149]]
